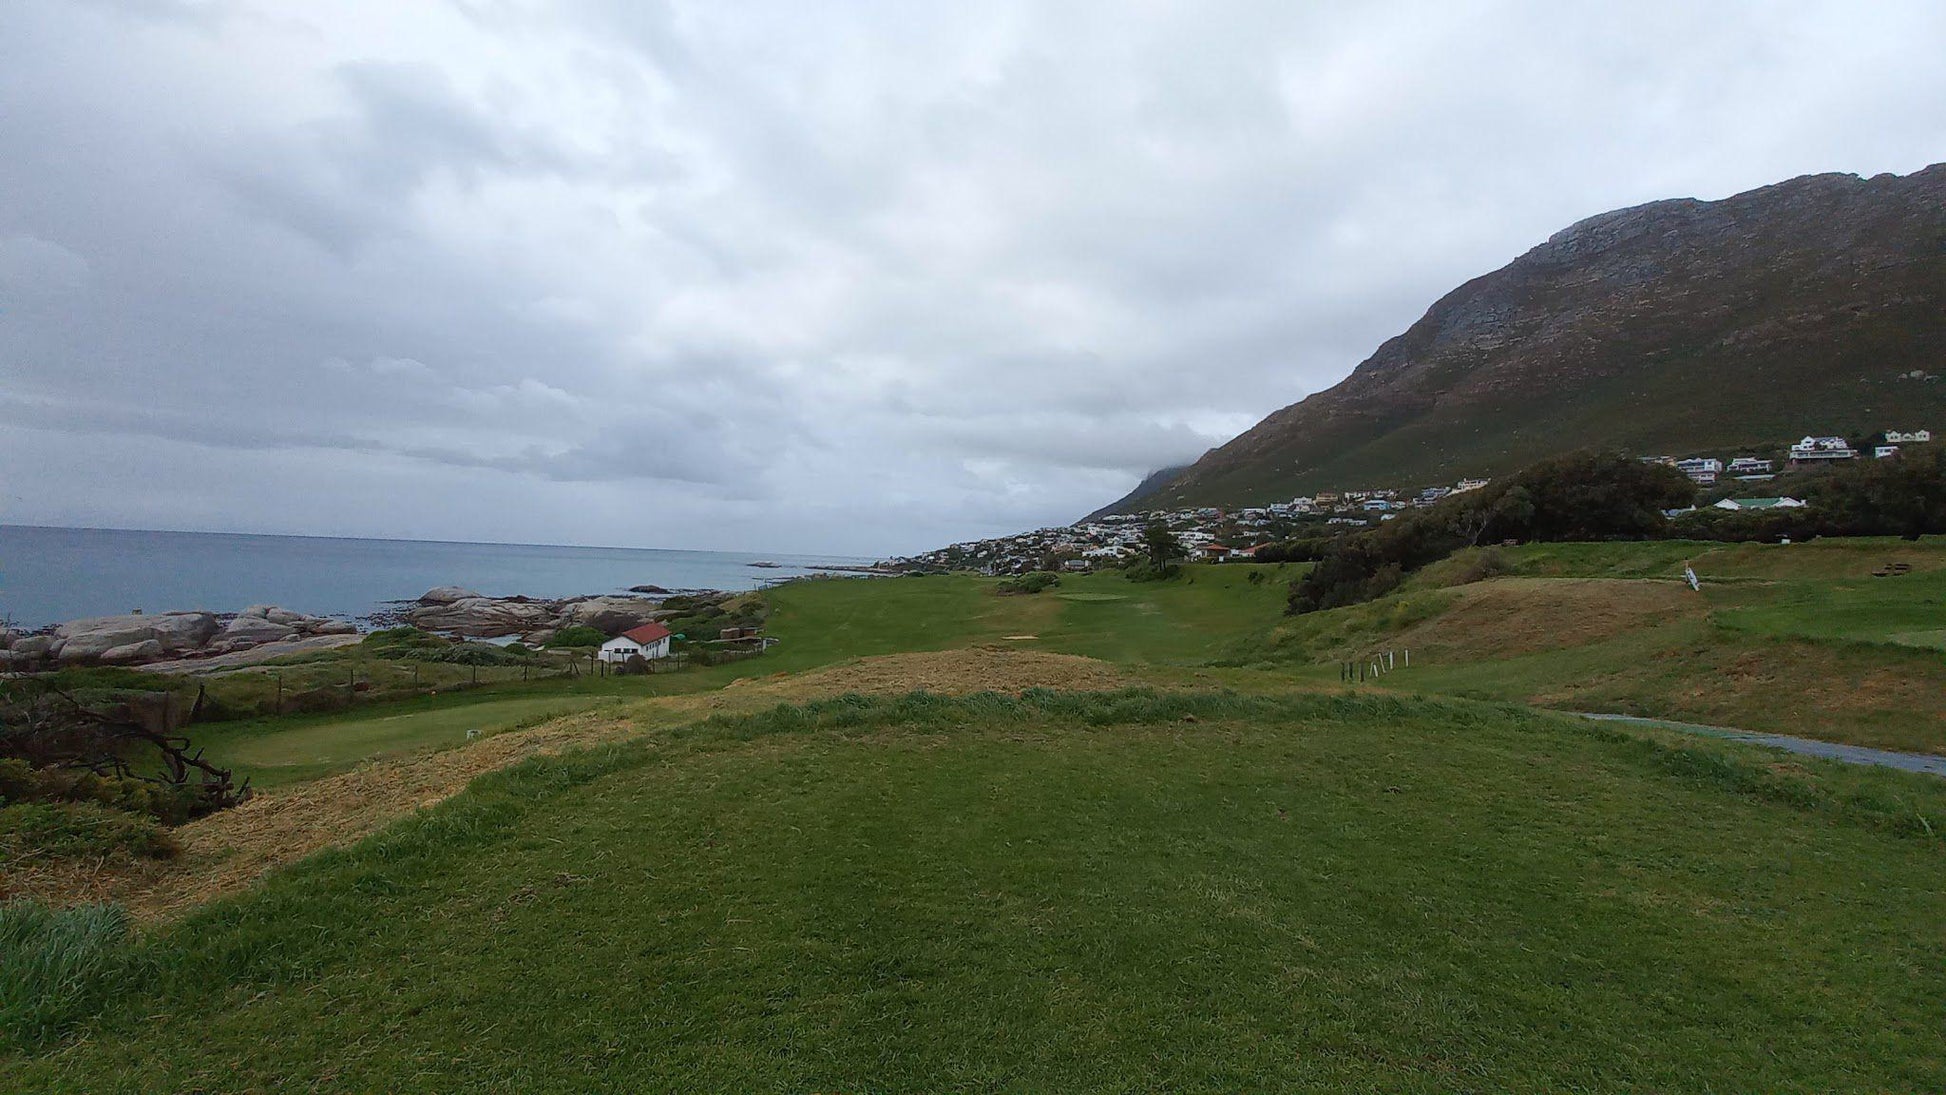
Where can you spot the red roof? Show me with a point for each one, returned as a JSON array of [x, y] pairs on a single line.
[[646, 634]]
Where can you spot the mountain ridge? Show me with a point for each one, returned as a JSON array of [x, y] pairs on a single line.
[[1680, 324]]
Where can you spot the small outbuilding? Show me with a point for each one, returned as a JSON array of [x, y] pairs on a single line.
[[650, 641]]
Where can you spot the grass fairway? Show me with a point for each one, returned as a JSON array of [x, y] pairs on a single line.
[[1186, 621], [285, 751], [1079, 893]]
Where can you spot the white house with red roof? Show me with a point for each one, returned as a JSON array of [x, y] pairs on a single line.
[[650, 641]]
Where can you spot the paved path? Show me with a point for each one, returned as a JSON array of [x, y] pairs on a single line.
[[1850, 754]]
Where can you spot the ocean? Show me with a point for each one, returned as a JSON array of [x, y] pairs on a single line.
[[48, 575]]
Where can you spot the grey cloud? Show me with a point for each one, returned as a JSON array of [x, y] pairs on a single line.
[[853, 276]]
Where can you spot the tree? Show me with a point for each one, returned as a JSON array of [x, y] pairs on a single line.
[[130, 738], [1161, 546], [1903, 495]]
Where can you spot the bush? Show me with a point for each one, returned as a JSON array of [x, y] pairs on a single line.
[[578, 636], [1581, 496], [1035, 582], [1478, 566], [20, 783], [56, 965], [1143, 570], [37, 830]]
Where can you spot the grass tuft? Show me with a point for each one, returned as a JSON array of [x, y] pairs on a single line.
[[56, 966]]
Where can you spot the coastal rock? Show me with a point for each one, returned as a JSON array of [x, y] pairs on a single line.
[[87, 639], [446, 595], [177, 631], [28, 647], [258, 610], [539, 638], [482, 617], [147, 650], [288, 618], [332, 627], [255, 631], [611, 615]]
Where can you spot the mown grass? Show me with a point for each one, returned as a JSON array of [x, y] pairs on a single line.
[[276, 752], [1184, 621], [1081, 893]]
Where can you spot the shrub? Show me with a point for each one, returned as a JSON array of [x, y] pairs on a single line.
[[1035, 582], [577, 636], [1581, 496], [36, 830], [20, 783]]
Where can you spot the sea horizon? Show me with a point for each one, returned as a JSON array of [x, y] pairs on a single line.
[[50, 574]]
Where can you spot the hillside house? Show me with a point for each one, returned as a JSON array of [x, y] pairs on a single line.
[[1820, 449], [1701, 469], [1465, 485], [1912, 437], [650, 641], [1880, 452], [1749, 465], [1742, 504]]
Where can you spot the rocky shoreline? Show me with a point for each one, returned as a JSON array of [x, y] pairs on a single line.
[[136, 639]]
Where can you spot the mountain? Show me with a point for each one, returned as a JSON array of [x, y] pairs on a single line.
[[1154, 482], [1673, 327]]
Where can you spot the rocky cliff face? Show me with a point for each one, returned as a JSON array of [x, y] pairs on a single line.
[[1804, 307]]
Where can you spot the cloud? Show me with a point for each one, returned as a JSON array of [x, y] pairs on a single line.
[[858, 277], [29, 264]]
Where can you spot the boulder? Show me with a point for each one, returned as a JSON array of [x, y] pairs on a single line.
[[255, 630], [32, 646], [611, 615], [286, 617], [184, 630], [147, 650], [482, 617], [445, 595], [85, 640], [334, 627], [539, 638], [258, 610]]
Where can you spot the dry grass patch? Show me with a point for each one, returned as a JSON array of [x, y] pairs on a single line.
[[1510, 616]]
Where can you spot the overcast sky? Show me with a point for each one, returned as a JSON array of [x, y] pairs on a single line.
[[847, 277]]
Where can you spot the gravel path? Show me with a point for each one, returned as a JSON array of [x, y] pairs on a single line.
[[1850, 754]]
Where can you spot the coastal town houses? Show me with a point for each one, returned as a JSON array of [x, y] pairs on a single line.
[[650, 641], [1742, 504]]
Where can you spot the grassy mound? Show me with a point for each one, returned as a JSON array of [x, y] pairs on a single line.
[[1082, 892]]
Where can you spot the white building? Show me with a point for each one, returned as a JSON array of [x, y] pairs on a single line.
[[1749, 465], [1759, 503], [1702, 469], [1823, 448], [649, 641], [1914, 437]]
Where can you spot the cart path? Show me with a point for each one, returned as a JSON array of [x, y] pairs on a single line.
[[1850, 754]]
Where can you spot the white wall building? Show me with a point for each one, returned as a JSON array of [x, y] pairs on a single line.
[[650, 641]]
